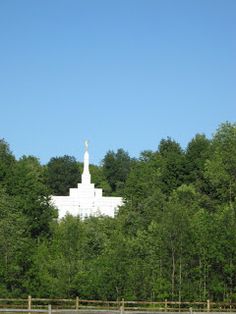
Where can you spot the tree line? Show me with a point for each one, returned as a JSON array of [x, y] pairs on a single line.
[[174, 238]]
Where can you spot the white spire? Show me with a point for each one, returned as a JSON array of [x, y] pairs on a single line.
[[86, 177]]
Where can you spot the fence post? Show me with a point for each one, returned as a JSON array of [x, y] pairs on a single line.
[[49, 309], [190, 310], [165, 305], [77, 303], [122, 308], [208, 306], [29, 302]]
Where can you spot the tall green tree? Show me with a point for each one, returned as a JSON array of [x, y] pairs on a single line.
[[28, 188], [62, 174], [172, 165], [116, 167], [197, 153], [13, 246], [221, 166], [7, 161], [56, 275]]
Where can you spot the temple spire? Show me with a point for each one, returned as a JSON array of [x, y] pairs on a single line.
[[86, 145], [86, 177]]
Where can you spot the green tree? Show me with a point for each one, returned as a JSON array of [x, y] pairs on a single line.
[[13, 248], [62, 173], [143, 178], [116, 167], [7, 161], [55, 276], [197, 153], [28, 188], [221, 166], [172, 165], [99, 179]]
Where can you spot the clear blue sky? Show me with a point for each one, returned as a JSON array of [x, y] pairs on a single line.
[[121, 73]]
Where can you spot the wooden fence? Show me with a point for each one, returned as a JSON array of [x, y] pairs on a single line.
[[76, 304]]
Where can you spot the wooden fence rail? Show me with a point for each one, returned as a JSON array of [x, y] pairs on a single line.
[[34, 304]]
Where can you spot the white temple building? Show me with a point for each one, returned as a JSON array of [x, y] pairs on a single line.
[[86, 200]]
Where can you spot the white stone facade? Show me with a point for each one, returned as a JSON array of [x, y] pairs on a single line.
[[86, 200]]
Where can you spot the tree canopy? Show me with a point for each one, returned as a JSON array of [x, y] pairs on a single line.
[[62, 173], [174, 238]]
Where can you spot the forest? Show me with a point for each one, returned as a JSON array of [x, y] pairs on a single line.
[[174, 238]]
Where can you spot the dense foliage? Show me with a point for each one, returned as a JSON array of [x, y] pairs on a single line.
[[173, 239]]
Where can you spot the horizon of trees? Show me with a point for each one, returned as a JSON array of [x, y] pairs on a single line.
[[174, 238]]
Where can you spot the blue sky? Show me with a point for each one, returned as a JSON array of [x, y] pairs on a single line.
[[121, 73]]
